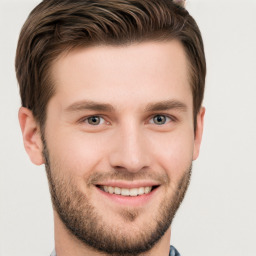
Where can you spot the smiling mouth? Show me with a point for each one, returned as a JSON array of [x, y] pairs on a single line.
[[127, 192]]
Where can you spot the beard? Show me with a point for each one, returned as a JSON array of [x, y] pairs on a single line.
[[84, 222]]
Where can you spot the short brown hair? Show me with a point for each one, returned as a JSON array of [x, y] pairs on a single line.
[[55, 26]]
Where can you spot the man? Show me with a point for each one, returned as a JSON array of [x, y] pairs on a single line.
[[111, 104]]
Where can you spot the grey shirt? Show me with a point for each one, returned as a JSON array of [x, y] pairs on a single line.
[[173, 252]]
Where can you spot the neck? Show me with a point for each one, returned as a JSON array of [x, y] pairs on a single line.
[[67, 244]]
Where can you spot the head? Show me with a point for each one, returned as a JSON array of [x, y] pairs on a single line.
[[55, 27], [111, 94]]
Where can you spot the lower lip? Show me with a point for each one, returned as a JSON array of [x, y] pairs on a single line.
[[133, 201]]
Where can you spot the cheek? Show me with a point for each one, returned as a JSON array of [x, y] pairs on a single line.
[[78, 153], [174, 153]]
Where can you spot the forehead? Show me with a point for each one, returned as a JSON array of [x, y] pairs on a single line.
[[137, 72]]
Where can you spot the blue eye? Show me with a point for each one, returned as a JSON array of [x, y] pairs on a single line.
[[95, 120], [160, 119]]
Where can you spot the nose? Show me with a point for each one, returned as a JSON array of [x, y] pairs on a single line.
[[130, 151]]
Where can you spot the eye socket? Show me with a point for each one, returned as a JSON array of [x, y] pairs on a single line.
[[160, 119], [157, 119], [94, 120]]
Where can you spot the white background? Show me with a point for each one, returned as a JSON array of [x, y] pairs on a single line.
[[218, 216]]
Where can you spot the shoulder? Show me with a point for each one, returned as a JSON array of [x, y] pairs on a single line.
[[173, 251], [53, 253]]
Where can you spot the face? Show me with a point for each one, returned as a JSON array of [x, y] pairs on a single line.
[[119, 143]]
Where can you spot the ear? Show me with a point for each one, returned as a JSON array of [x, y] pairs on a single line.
[[199, 132], [31, 136]]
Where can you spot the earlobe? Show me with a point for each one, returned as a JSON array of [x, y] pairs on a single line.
[[31, 136], [199, 132]]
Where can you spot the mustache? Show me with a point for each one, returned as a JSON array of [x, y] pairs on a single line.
[[124, 175]]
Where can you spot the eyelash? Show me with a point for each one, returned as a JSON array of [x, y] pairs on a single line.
[[85, 120], [161, 115], [171, 119]]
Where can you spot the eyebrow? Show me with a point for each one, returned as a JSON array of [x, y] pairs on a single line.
[[89, 105], [105, 107], [166, 105]]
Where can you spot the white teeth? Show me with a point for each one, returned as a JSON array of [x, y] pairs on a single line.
[[111, 190], [126, 191], [141, 191], [117, 191], [147, 189], [133, 192]]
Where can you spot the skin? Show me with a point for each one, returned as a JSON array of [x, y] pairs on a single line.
[[127, 146]]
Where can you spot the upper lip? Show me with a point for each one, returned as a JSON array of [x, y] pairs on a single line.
[[128, 185]]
